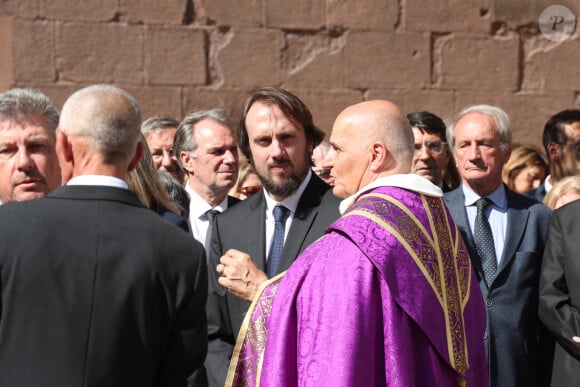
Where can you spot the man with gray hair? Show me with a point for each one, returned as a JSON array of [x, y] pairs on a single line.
[[96, 289], [505, 234], [159, 132], [206, 148], [28, 164]]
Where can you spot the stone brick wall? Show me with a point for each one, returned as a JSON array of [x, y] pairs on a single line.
[[179, 55]]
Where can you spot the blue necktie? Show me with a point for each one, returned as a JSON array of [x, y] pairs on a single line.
[[484, 241], [280, 215]]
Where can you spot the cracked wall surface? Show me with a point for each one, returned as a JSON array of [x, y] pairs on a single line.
[[180, 55]]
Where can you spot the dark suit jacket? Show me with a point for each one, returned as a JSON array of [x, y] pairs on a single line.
[[512, 337], [98, 290], [537, 193], [177, 220], [560, 293], [243, 227]]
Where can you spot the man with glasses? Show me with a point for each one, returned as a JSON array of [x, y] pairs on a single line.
[[561, 141], [159, 132], [432, 158]]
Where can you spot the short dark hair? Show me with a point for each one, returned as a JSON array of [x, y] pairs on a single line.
[[554, 129], [428, 122], [292, 107]]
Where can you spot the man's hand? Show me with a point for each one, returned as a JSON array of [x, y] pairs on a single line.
[[239, 274], [576, 339]]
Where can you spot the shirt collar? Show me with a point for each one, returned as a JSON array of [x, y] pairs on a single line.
[[198, 206], [109, 181], [290, 202], [408, 181], [498, 196]]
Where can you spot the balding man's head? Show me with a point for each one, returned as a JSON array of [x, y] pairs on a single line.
[[105, 116], [369, 140]]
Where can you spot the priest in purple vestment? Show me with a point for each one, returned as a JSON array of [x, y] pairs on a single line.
[[387, 297]]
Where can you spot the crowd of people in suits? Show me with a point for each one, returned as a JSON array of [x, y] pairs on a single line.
[[98, 287]]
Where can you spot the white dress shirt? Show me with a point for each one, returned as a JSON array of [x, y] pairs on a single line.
[[291, 203], [108, 181], [198, 221]]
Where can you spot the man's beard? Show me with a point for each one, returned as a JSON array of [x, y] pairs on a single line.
[[287, 186]]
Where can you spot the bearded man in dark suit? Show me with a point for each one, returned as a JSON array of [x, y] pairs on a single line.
[[96, 289], [277, 135]]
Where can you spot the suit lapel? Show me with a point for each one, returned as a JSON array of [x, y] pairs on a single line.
[[517, 219], [255, 225], [456, 203]]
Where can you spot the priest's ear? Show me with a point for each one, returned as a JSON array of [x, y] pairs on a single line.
[[379, 157]]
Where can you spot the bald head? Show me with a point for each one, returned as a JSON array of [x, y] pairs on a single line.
[[106, 117], [370, 139]]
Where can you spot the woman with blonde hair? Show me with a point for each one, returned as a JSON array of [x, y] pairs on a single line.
[[526, 168], [566, 190]]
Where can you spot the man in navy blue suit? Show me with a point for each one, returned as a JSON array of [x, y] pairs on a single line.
[[507, 257]]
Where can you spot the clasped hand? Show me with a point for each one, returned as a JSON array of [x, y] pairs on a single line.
[[239, 274]]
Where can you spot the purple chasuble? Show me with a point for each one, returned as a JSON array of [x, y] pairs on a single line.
[[387, 297]]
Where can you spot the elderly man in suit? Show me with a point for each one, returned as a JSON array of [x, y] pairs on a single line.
[[261, 236], [28, 164], [96, 289], [505, 234]]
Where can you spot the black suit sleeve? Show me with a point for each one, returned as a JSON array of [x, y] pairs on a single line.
[[220, 333], [186, 346], [556, 311]]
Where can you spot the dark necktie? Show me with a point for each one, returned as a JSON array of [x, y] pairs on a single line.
[[484, 241], [210, 214], [280, 215]]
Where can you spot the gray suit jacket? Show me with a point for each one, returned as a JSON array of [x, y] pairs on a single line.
[[243, 227], [560, 293], [98, 290], [514, 337]]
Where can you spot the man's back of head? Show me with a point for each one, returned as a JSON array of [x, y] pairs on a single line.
[[28, 164], [99, 132]]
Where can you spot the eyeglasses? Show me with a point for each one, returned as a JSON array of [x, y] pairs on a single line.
[[322, 172], [434, 148], [250, 190]]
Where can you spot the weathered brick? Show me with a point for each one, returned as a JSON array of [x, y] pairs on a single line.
[[314, 60], [227, 13], [6, 58], [175, 56], [20, 8], [153, 11], [34, 55], [79, 10], [378, 15], [109, 53], [386, 60], [470, 62], [307, 14], [447, 15], [232, 100], [158, 99], [252, 58], [514, 13], [325, 105], [528, 112], [439, 102], [553, 67]]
